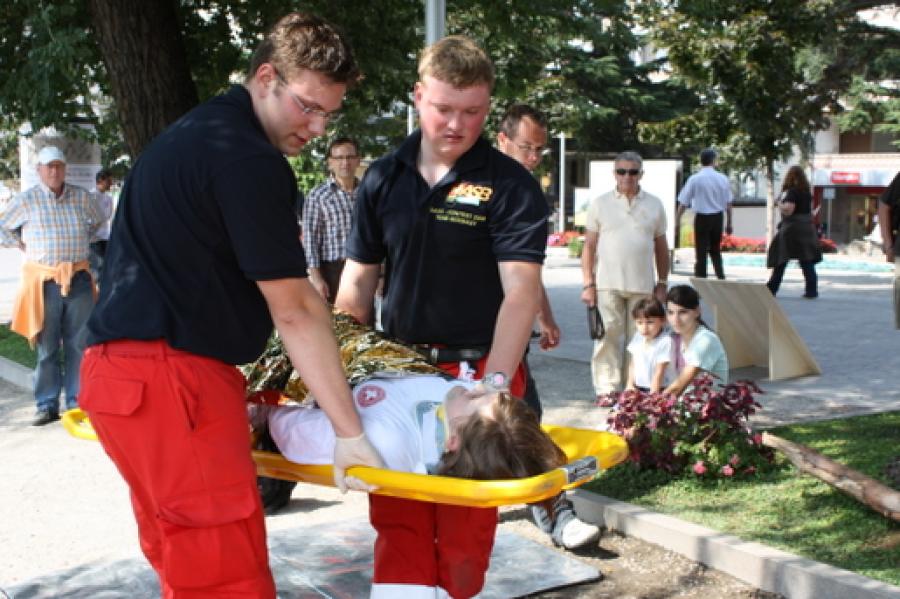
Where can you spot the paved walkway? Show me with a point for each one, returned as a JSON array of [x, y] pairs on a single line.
[[63, 505], [848, 329]]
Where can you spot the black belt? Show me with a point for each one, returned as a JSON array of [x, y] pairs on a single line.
[[437, 355]]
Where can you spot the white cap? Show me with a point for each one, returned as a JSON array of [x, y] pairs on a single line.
[[50, 154]]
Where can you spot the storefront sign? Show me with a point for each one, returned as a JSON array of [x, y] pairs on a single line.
[[844, 178]]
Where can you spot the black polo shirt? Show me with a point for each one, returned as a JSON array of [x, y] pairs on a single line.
[[207, 210], [891, 197], [441, 245]]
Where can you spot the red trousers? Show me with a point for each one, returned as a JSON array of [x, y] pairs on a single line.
[[423, 544], [175, 425]]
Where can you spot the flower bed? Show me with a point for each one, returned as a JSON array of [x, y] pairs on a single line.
[[559, 240], [705, 431], [757, 245]]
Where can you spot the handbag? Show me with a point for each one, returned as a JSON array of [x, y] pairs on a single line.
[[595, 323]]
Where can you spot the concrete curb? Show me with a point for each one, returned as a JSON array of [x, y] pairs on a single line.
[[764, 567], [15, 373]]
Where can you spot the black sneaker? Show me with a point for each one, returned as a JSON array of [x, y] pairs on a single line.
[[42, 417]]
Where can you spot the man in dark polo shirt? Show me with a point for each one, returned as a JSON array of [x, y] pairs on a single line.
[[523, 136], [889, 220], [461, 230], [204, 257]]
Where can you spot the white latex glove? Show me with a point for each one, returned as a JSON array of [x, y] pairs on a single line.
[[354, 451]]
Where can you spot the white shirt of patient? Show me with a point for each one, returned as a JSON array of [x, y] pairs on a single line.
[[401, 417]]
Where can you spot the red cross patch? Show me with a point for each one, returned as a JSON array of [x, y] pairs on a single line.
[[369, 395]]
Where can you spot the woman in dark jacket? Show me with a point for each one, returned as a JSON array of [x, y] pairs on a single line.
[[796, 237]]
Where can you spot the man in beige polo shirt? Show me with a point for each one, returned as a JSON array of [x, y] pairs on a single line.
[[625, 235]]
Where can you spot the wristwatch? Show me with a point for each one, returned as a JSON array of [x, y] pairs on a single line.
[[496, 381]]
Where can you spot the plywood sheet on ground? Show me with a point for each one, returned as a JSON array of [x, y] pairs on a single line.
[[755, 330]]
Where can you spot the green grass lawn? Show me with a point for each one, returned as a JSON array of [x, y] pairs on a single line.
[[14, 347], [785, 508]]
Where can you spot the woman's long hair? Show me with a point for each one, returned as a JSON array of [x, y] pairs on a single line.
[[795, 179]]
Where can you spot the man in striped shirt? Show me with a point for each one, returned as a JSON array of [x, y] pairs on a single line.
[[53, 223], [327, 216]]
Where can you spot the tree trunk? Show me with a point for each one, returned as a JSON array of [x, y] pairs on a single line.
[[867, 490], [147, 64]]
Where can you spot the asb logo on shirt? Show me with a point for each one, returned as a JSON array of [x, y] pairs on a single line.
[[369, 395], [469, 193]]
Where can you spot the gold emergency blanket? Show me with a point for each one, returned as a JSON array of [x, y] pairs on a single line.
[[365, 353]]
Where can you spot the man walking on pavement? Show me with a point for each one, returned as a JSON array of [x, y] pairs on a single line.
[[53, 223], [461, 229], [889, 220], [327, 216], [625, 234], [523, 136], [200, 266], [708, 194]]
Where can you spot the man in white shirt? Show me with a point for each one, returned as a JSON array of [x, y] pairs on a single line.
[[708, 194], [625, 234]]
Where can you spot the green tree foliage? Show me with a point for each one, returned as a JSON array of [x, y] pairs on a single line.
[[61, 75], [568, 57], [766, 72], [573, 60]]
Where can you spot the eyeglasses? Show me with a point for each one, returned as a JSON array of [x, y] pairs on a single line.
[[634, 172], [325, 116], [530, 150], [348, 157]]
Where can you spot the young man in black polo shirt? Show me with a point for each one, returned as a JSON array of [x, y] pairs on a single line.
[[461, 230], [523, 136], [204, 257]]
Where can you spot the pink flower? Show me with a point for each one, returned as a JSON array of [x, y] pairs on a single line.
[[749, 469], [700, 468], [727, 470], [735, 460], [757, 439]]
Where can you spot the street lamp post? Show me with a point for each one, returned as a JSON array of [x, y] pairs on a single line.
[[562, 182]]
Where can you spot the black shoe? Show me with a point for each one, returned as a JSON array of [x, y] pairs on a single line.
[[43, 417], [810, 295]]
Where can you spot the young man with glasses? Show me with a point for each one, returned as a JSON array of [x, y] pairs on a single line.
[[523, 136], [204, 257], [327, 216], [625, 235]]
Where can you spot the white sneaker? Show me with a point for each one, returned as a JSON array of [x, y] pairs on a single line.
[[575, 534]]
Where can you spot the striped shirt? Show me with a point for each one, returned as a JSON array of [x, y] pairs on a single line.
[[53, 230], [327, 216]]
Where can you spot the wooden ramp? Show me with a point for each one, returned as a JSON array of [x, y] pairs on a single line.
[[755, 330]]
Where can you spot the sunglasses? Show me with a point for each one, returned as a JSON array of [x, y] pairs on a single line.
[[634, 172]]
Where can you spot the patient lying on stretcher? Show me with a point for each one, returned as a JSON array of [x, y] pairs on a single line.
[[428, 424], [416, 417]]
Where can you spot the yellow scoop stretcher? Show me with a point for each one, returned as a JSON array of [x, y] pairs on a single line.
[[588, 452]]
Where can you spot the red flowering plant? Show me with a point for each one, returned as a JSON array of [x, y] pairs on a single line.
[[705, 431], [562, 239], [730, 243]]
